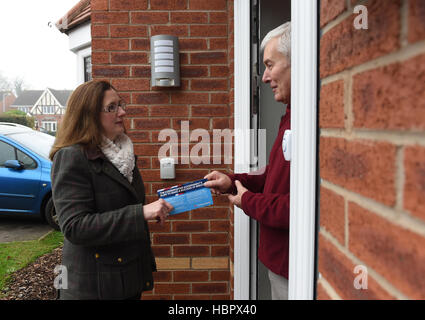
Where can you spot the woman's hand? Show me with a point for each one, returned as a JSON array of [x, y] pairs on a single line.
[[158, 210], [218, 182]]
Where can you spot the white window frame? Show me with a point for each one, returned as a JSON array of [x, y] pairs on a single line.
[[303, 164]]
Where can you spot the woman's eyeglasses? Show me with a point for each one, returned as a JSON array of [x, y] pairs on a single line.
[[114, 107]]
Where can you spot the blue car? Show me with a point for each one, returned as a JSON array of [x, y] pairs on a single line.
[[25, 186]]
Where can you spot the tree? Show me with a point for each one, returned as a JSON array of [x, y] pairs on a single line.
[[4, 83]]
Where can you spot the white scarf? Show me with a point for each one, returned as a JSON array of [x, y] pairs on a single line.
[[121, 154]]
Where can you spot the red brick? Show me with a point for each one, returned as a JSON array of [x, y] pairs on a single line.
[[138, 136], [365, 167], [190, 226], [330, 9], [218, 44], [218, 17], [99, 31], [331, 113], [219, 71], [210, 287], [128, 4], [416, 20], [109, 17], [219, 98], [191, 251], [174, 30], [190, 276], [211, 57], [209, 85], [137, 111], [208, 30], [321, 293], [162, 276], [208, 238], [110, 72], [99, 5], [131, 84], [394, 252], [140, 44], [174, 238], [220, 275], [161, 251], [210, 111], [414, 187], [194, 123], [170, 110], [220, 251], [192, 44], [126, 31], [208, 5], [344, 46], [188, 97], [100, 57], [110, 44], [189, 17], [141, 71], [391, 97], [168, 4], [146, 150], [332, 214], [193, 71], [338, 270], [149, 17], [151, 98], [129, 57], [152, 123], [171, 288]]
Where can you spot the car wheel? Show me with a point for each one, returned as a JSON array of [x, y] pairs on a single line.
[[50, 215]]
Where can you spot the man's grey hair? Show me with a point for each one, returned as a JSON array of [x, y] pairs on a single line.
[[284, 42]]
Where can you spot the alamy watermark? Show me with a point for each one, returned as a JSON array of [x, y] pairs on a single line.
[[360, 281], [198, 147], [361, 21]]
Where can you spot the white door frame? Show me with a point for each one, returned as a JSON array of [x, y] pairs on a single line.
[[303, 164]]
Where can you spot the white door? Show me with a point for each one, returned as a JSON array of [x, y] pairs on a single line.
[[251, 111]]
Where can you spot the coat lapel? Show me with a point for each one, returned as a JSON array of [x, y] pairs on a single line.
[[109, 169]]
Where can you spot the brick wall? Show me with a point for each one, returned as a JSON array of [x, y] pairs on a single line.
[[372, 150], [192, 249]]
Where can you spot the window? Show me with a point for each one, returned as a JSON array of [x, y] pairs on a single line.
[[7, 152], [49, 125], [26, 160], [87, 69]]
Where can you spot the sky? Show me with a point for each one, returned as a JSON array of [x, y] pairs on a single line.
[[32, 47]]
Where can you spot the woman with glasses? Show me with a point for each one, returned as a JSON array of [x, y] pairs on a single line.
[[99, 199]]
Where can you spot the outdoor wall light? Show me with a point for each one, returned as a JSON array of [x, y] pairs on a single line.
[[165, 62]]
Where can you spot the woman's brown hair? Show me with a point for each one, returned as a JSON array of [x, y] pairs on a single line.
[[81, 122]]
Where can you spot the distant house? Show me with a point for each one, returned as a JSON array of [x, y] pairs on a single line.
[[6, 99], [26, 100], [47, 107]]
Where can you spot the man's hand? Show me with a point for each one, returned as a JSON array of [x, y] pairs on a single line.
[[237, 199], [218, 182]]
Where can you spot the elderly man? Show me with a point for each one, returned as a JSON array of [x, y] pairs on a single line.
[[265, 197]]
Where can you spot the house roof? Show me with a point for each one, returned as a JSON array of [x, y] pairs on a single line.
[[79, 14], [61, 95], [28, 98]]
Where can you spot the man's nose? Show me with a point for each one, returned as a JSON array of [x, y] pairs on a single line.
[[266, 77]]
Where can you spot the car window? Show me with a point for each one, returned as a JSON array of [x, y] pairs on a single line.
[[26, 160], [7, 152], [35, 141]]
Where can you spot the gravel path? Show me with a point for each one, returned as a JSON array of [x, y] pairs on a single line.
[[35, 281]]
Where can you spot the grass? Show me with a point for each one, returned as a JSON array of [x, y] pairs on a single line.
[[17, 255]]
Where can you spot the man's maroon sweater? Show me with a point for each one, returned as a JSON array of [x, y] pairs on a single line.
[[267, 201]]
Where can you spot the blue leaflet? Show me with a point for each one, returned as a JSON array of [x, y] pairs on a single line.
[[188, 196]]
